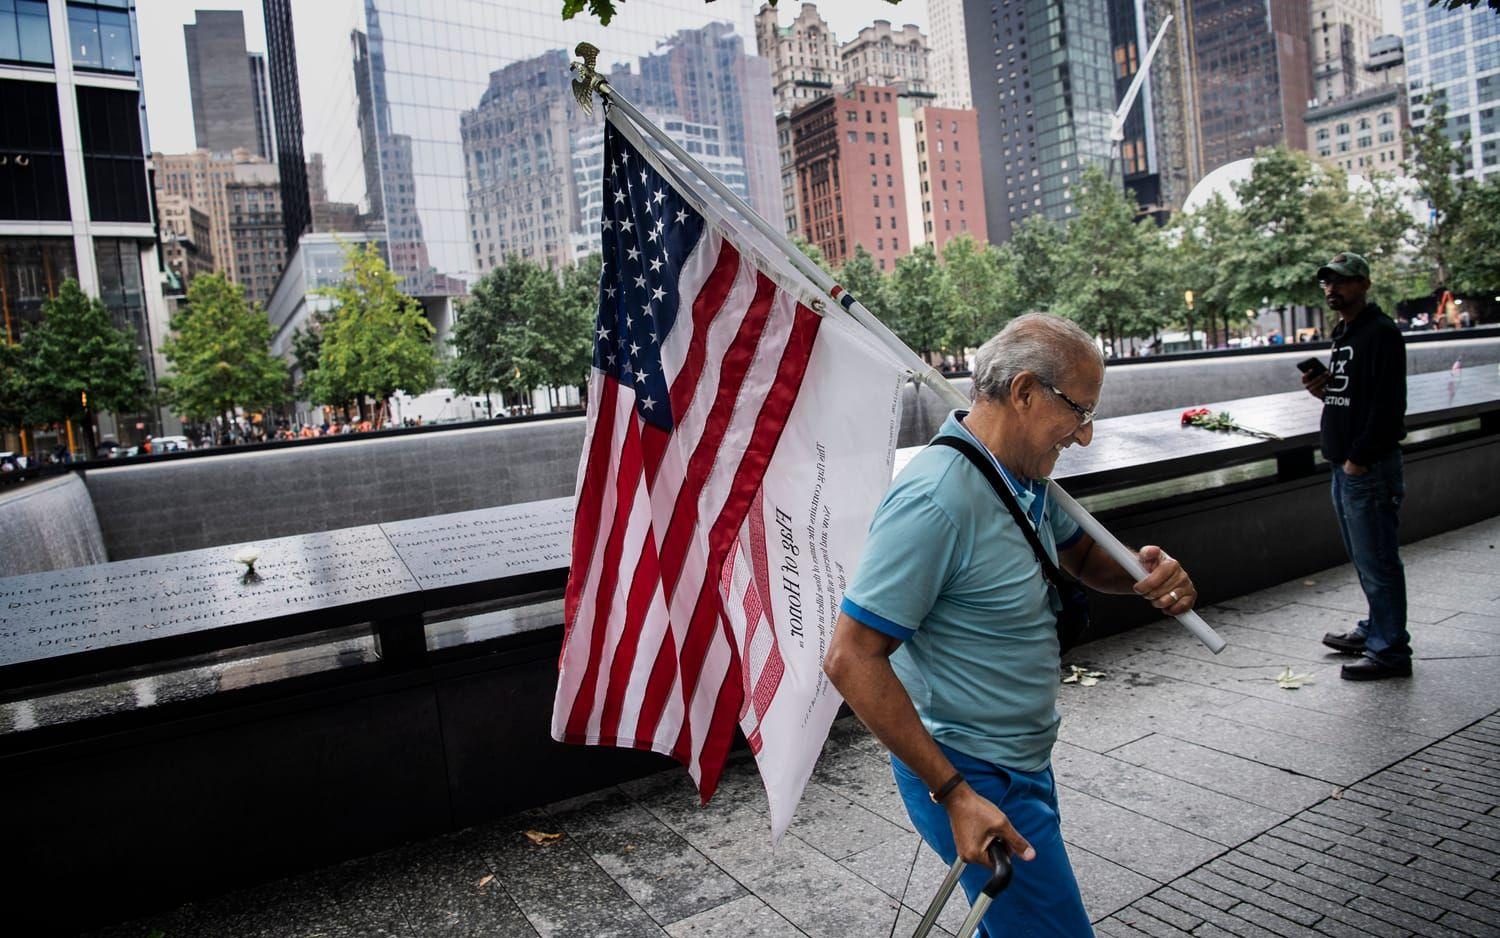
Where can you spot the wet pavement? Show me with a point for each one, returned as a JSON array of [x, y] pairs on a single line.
[[1199, 797]]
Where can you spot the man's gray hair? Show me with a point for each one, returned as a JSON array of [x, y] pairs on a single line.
[[1041, 343]]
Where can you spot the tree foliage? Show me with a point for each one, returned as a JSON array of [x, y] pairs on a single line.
[[921, 302], [522, 329], [978, 309], [378, 340], [220, 354], [77, 363], [1474, 243], [13, 391], [866, 282]]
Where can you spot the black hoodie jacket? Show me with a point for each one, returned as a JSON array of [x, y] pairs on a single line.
[[1364, 402]]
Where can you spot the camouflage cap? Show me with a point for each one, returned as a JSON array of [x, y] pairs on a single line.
[[1347, 263]]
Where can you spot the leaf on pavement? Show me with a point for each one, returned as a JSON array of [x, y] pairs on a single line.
[[542, 839], [1083, 677], [1286, 680], [485, 880]]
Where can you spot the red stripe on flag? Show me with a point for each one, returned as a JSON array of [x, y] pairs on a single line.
[[679, 535], [709, 304], [627, 488], [590, 499], [770, 422], [648, 570]]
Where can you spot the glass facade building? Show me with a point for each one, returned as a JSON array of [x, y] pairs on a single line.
[[1453, 58], [1045, 112], [74, 197], [409, 96]]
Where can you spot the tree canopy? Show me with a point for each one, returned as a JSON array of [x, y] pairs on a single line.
[[220, 353], [377, 340], [77, 363], [525, 327]]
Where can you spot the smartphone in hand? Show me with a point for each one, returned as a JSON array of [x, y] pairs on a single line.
[[1312, 368]]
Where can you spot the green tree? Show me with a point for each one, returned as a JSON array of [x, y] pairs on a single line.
[[307, 345], [498, 335], [921, 302], [378, 341], [1199, 242], [77, 364], [977, 312], [813, 252], [220, 354], [568, 338], [1437, 163], [864, 279], [1030, 266], [1103, 257], [14, 402], [1294, 213], [1474, 246]]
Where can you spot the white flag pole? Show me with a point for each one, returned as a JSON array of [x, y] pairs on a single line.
[[590, 81]]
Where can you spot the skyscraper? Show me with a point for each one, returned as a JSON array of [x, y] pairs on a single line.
[[260, 87], [286, 110], [240, 193], [395, 82], [1453, 58], [226, 107], [1044, 90], [1342, 31], [949, 58], [1253, 76], [74, 195]]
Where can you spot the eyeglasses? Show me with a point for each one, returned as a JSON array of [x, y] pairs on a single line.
[[1085, 417]]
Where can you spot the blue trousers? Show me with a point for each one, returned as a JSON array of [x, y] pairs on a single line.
[[1368, 509], [1042, 900]]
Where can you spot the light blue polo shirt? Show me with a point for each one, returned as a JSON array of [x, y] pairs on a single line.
[[947, 571]]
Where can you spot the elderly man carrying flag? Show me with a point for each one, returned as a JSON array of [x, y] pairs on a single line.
[[947, 645]]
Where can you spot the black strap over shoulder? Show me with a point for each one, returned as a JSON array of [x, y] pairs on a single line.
[[1064, 583]]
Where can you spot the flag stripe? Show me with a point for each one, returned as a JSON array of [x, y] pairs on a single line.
[[627, 481], [594, 477], [768, 426], [679, 537]]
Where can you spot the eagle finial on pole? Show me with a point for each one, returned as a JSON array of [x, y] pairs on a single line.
[[589, 80]]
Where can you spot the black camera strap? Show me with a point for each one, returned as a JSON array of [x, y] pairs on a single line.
[[1064, 583]]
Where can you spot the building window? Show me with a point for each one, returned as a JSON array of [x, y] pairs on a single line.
[[114, 165], [24, 34], [33, 178], [100, 37]]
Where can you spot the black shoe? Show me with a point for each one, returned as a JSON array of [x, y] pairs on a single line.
[[1368, 669], [1349, 643]]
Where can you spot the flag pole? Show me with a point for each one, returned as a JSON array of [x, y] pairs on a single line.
[[589, 82]]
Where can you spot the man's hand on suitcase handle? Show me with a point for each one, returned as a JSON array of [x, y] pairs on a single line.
[[976, 821]]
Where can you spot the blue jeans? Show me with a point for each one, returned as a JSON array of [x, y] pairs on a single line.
[[1367, 507], [1042, 898]]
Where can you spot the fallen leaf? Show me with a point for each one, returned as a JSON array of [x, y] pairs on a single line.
[[1286, 680], [1338, 793], [630, 848], [485, 881], [541, 839], [1309, 582], [1083, 677]]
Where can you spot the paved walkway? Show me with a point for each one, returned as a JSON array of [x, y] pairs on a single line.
[[1198, 797]]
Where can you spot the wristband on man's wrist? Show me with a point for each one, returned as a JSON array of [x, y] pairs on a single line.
[[947, 788]]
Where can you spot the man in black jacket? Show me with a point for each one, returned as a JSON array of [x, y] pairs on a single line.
[[1364, 406]]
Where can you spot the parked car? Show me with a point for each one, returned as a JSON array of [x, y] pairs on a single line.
[[171, 444]]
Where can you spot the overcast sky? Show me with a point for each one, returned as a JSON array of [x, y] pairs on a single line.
[[164, 60]]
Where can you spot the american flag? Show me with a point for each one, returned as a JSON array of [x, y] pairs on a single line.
[[699, 357]]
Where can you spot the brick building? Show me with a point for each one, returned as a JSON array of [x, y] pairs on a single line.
[[952, 198], [850, 175]]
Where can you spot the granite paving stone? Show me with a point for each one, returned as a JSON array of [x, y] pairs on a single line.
[[1198, 798]]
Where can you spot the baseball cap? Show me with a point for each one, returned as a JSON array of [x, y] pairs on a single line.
[[1347, 263]]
